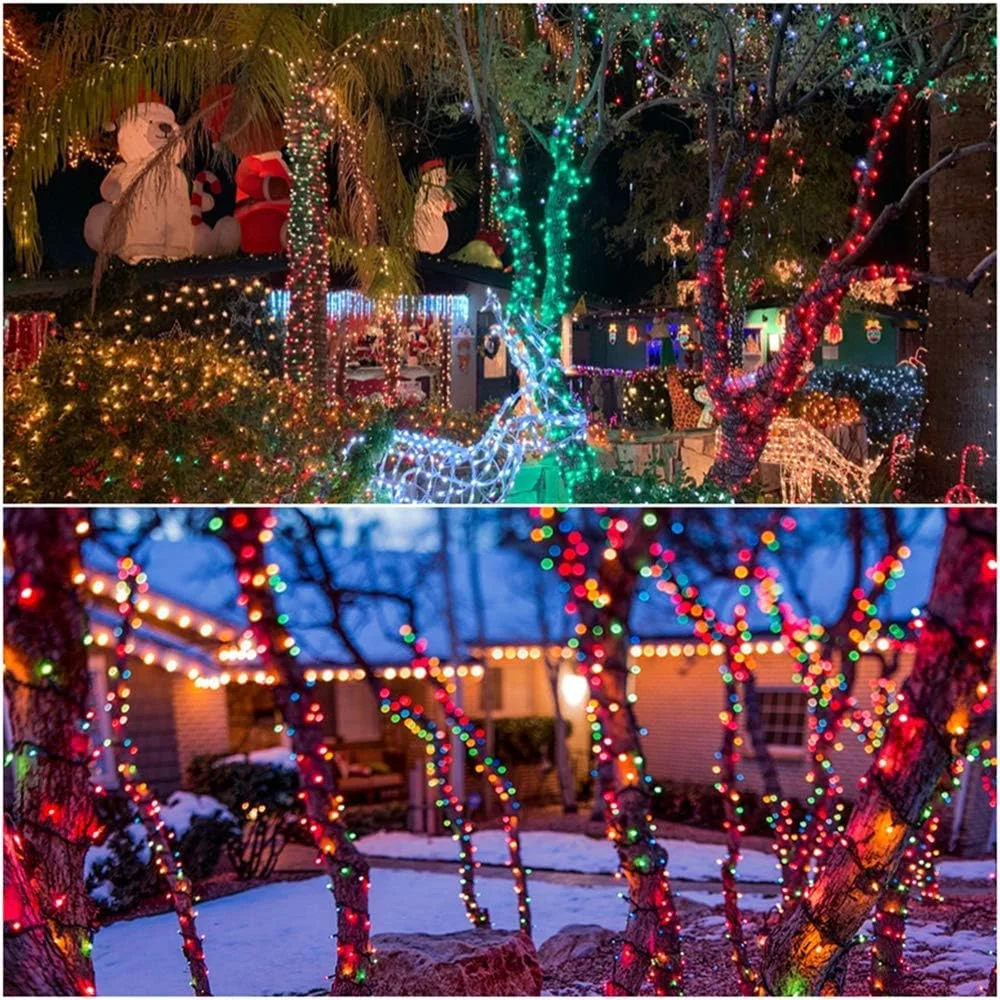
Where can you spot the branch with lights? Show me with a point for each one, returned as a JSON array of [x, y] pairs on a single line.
[[401, 709], [132, 582], [651, 949], [246, 532]]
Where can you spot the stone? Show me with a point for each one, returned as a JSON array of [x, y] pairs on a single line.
[[573, 942], [475, 963]]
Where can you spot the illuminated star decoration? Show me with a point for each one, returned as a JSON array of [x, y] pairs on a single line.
[[678, 240]]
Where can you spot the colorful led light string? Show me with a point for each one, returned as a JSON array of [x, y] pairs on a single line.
[[474, 740], [308, 134], [830, 704], [651, 949], [245, 533], [166, 852], [401, 709], [46, 688], [737, 668]]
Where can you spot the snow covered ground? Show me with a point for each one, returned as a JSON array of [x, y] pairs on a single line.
[[278, 938], [573, 852]]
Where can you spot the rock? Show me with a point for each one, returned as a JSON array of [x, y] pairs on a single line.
[[475, 963], [573, 942]]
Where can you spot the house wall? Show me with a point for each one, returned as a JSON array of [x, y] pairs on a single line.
[[679, 699], [201, 721]]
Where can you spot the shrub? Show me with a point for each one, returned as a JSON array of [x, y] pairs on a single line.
[[363, 820], [892, 399], [620, 487], [646, 399], [263, 799], [177, 418], [120, 873], [527, 740]]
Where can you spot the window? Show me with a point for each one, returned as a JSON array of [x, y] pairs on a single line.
[[784, 718]]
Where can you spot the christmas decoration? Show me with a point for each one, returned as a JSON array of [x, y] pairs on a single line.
[[262, 202], [207, 240], [263, 180], [155, 218], [24, 337], [678, 240], [803, 453], [430, 230], [420, 469], [485, 249], [963, 491]]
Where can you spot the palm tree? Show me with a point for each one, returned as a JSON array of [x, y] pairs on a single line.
[[343, 60]]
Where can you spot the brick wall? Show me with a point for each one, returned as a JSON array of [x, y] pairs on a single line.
[[200, 718]]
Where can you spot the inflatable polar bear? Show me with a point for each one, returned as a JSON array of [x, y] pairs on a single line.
[[159, 224]]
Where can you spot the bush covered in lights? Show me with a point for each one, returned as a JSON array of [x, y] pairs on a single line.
[[175, 419], [646, 399], [891, 399], [620, 487]]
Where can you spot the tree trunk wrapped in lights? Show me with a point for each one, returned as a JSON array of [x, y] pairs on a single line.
[[651, 949], [246, 532], [308, 139], [938, 703], [166, 853], [33, 962], [47, 686], [438, 766], [475, 744]]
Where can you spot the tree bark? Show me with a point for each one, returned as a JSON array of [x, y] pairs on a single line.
[[651, 946], [961, 333], [33, 964], [47, 687], [245, 533], [166, 853], [940, 699], [306, 348]]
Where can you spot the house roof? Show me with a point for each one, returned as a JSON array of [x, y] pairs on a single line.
[[522, 604]]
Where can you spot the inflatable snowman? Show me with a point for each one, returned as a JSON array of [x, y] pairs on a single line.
[[430, 231]]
